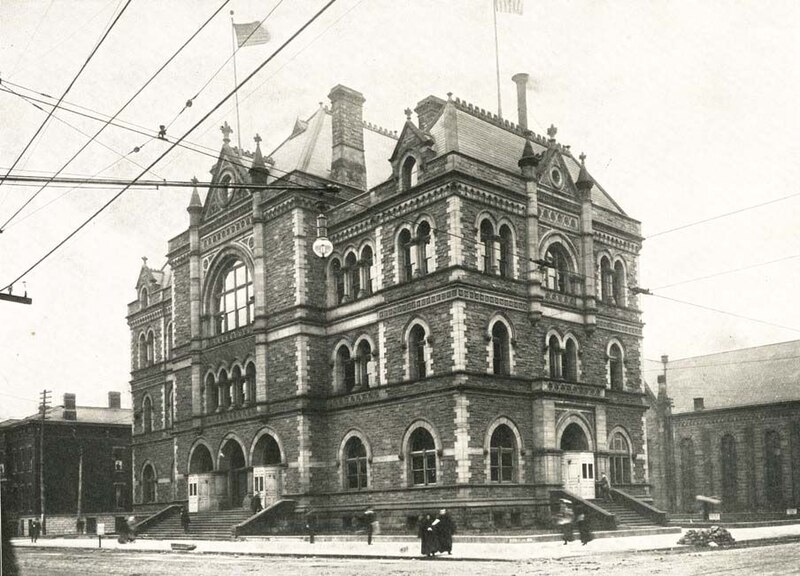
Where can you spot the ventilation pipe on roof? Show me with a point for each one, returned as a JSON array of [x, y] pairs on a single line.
[[521, 80], [698, 404], [114, 400], [70, 411]]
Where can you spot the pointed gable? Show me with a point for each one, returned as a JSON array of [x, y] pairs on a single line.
[[231, 167]]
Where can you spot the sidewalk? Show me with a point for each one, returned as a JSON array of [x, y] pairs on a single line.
[[390, 548]]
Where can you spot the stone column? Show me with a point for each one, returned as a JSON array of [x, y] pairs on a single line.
[[528, 164], [260, 304], [195, 210]]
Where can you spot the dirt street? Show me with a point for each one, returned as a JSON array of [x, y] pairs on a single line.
[[767, 560]]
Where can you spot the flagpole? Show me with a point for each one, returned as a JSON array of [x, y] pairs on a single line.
[[497, 58], [236, 83]]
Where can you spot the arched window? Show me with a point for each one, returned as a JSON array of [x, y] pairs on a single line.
[[337, 278], [616, 373], [424, 247], [233, 298], [144, 298], [212, 397], [505, 253], [345, 370], [688, 491], [423, 458], [142, 351], [237, 382], [569, 362], [773, 468], [501, 349], [169, 405], [366, 270], [409, 173], [554, 356], [250, 377], [356, 463], [147, 415], [728, 466], [558, 269], [606, 280], [620, 459], [416, 351], [363, 365], [222, 189], [224, 387], [151, 348], [618, 284], [352, 278], [148, 484], [406, 261], [486, 246], [501, 455], [168, 342]]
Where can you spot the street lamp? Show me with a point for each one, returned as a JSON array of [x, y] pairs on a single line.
[[322, 246]]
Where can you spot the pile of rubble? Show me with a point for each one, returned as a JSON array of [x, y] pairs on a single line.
[[714, 536]]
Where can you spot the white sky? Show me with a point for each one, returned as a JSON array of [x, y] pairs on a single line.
[[685, 110]]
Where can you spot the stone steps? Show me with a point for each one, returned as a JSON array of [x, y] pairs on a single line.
[[209, 525], [625, 516]]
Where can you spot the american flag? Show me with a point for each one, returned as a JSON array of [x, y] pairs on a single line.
[[250, 34], [508, 6]]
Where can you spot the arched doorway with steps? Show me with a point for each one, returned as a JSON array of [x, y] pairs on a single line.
[[267, 458], [201, 485], [232, 465], [578, 465]]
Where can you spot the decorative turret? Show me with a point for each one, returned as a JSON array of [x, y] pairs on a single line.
[[259, 172], [195, 207], [529, 160], [584, 182]]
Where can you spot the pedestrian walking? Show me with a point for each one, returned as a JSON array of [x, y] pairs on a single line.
[[370, 521], [185, 519], [32, 529], [582, 522], [255, 504], [426, 537], [444, 528], [310, 526], [566, 520], [605, 488]]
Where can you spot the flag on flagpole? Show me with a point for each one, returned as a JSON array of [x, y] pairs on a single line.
[[508, 6], [250, 34]]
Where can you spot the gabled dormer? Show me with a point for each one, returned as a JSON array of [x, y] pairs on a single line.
[[230, 168], [554, 173], [148, 285], [415, 146]]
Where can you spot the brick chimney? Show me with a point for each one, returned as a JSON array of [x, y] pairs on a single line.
[[70, 412], [428, 110], [521, 80], [347, 159], [114, 400], [698, 404]]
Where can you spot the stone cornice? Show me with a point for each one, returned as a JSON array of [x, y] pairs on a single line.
[[220, 235], [451, 293]]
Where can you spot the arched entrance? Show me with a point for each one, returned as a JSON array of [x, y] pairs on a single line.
[[267, 469], [201, 479], [234, 466], [577, 469]]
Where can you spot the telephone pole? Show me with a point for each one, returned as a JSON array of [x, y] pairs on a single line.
[[43, 407]]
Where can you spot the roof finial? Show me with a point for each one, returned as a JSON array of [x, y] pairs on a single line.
[[144, 261], [226, 132], [408, 114], [551, 132], [257, 139], [449, 95], [583, 158]]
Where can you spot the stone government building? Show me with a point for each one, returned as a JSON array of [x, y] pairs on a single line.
[[471, 342]]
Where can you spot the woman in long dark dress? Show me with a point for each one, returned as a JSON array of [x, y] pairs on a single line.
[[425, 534]]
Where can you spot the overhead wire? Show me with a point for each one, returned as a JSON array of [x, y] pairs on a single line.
[[71, 84], [117, 113], [175, 144], [725, 272], [36, 31]]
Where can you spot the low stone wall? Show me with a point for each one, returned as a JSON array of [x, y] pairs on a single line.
[[68, 525]]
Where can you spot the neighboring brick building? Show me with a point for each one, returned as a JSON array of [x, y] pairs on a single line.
[[728, 425], [471, 342], [87, 467]]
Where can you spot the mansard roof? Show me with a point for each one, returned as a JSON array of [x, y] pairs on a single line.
[[308, 149], [745, 377], [484, 136]]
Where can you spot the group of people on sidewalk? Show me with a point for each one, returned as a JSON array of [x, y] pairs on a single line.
[[436, 534], [574, 516]]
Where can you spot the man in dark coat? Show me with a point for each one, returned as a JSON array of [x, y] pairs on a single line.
[[444, 528], [426, 536], [184, 519], [582, 523]]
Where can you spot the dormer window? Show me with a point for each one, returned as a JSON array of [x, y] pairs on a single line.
[[144, 298], [409, 173]]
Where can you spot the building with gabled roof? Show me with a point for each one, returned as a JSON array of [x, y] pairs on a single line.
[[469, 342], [729, 427]]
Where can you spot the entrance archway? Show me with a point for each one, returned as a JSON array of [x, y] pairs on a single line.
[[577, 468], [200, 483], [233, 463], [267, 458]]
